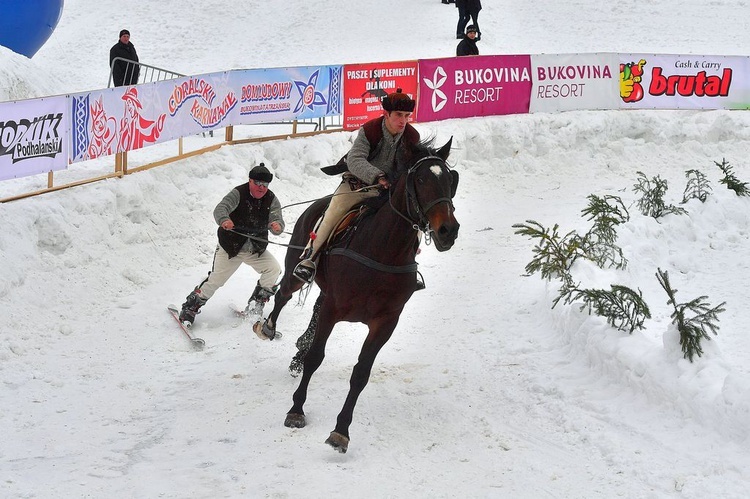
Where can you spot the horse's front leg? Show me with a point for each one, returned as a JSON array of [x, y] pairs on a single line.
[[289, 285], [295, 418], [379, 335]]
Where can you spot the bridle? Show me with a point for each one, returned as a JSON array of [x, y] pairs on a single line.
[[416, 215]]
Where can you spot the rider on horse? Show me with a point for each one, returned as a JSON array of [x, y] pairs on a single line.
[[368, 163]]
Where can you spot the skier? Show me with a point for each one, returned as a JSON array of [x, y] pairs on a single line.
[[250, 209]]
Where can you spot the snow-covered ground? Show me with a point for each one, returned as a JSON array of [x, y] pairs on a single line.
[[484, 390]]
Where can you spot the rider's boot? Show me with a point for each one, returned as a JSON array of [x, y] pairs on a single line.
[[192, 305], [305, 270]]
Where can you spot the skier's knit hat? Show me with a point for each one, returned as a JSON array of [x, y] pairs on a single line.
[[124, 32], [398, 101], [261, 173], [471, 29]]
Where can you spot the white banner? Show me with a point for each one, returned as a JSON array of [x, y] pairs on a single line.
[[649, 81], [123, 119], [567, 82], [33, 136]]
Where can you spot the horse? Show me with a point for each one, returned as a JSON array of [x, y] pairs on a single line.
[[372, 273]]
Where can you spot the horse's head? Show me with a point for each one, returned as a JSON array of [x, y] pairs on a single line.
[[430, 187]]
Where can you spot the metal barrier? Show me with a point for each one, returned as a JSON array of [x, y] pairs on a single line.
[[146, 73]]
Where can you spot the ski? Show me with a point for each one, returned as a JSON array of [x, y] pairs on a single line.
[[197, 343]]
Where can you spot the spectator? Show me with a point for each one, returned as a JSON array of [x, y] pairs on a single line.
[[468, 9], [124, 72], [468, 46]]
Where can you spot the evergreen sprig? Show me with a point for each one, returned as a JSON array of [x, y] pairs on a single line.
[[730, 180], [697, 186], [553, 254], [692, 329], [599, 242], [652, 191], [623, 308]]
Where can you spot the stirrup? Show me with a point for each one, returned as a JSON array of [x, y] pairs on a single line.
[[420, 282], [304, 273]]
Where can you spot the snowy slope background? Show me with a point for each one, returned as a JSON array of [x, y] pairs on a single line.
[[484, 390]]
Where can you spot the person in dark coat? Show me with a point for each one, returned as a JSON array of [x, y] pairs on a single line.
[[123, 72], [468, 46], [468, 9]]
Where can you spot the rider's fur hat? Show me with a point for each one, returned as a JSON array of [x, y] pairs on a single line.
[[261, 173], [398, 101]]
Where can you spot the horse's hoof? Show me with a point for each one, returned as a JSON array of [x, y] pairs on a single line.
[[294, 420], [258, 329], [338, 442], [265, 332]]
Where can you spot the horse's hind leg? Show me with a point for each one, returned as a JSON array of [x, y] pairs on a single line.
[[379, 336], [305, 340], [295, 418]]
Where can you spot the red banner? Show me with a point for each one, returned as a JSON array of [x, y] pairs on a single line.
[[366, 84]]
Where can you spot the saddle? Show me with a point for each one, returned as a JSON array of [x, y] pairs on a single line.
[[345, 226]]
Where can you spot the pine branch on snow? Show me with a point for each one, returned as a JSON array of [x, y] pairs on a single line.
[[692, 329]]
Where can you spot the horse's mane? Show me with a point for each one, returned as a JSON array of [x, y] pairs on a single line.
[[410, 154]]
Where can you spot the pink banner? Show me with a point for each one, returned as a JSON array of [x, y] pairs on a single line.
[[461, 87]]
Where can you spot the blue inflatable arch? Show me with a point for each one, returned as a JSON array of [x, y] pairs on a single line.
[[26, 25]]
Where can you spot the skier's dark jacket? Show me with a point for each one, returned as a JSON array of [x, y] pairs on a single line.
[[251, 215]]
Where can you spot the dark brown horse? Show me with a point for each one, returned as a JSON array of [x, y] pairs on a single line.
[[370, 275]]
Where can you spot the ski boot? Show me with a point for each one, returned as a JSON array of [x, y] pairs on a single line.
[[192, 305], [257, 300]]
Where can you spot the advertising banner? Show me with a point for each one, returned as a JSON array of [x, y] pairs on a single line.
[[123, 119], [461, 87], [566, 82], [683, 82], [366, 84], [283, 94], [114, 120], [33, 136]]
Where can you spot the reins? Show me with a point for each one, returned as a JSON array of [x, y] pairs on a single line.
[[418, 222], [310, 201], [421, 223]]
